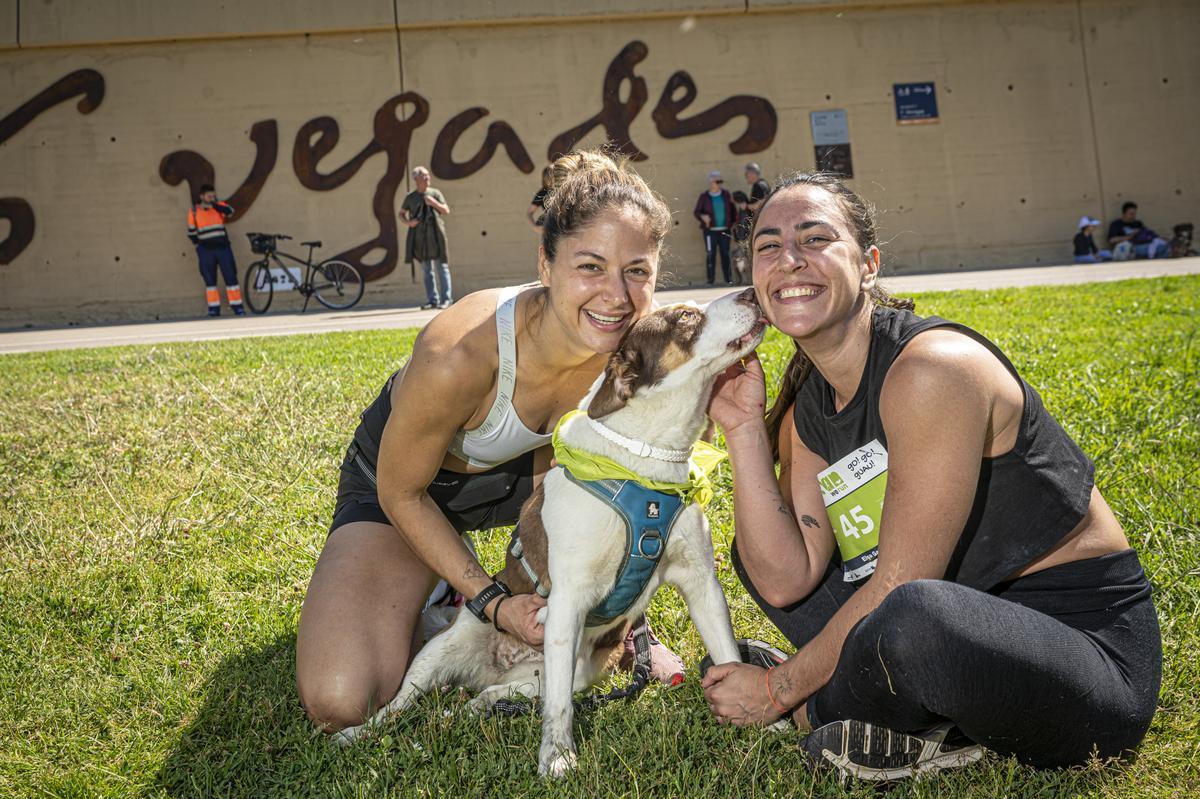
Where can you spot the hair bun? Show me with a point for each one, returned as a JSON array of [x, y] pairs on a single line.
[[585, 182], [592, 164]]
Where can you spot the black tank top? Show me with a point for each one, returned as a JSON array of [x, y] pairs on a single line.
[[369, 433], [1027, 499]]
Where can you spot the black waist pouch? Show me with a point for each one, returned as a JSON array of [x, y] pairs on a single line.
[[469, 501]]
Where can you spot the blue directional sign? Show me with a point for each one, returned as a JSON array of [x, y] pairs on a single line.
[[916, 103]]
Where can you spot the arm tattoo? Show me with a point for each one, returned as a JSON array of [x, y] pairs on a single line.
[[783, 684], [473, 571], [809, 521], [783, 508]]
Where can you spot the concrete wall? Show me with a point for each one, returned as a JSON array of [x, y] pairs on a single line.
[[1047, 111]]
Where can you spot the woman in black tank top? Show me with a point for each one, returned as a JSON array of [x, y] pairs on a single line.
[[933, 545]]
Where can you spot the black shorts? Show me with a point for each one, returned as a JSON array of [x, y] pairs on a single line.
[[469, 501]]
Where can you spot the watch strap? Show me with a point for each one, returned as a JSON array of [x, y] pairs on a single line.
[[481, 600]]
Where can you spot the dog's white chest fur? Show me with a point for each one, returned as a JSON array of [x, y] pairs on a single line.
[[654, 390]]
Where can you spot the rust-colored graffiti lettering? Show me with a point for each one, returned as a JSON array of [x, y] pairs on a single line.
[[761, 121], [498, 133], [318, 137], [20, 216], [17, 211], [615, 115], [190, 166], [392, 136], [87, 82], [307, 153]]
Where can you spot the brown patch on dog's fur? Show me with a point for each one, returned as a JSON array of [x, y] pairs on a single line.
[[536, 550], [534, 545], [614, 642], [651, 348], [673, 357]]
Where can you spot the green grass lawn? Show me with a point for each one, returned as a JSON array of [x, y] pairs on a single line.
[[161, 509]]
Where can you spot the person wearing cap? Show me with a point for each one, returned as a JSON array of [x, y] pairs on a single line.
[[758, 186], [1086, 251], [717, 215]]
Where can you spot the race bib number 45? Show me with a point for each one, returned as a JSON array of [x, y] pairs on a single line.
[[853, 492]]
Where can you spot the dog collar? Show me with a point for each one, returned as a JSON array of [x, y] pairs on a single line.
[[640, 448]]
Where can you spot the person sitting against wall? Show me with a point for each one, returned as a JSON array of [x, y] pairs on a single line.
[[934, 543], [1086, 251], [1130, 238]]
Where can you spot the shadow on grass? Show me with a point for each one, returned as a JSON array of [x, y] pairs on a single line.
[[250, 736]]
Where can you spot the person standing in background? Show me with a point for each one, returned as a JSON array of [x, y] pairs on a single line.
[[717, 215], [537, 206], [422, 211], [206, 230], [758, 186]]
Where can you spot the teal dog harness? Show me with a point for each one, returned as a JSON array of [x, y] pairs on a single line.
[[649, 516]]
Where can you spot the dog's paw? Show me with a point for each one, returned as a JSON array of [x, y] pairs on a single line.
[[556, 762], [481, 704], [540, 618]]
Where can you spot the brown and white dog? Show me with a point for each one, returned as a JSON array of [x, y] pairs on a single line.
[[651, 400]]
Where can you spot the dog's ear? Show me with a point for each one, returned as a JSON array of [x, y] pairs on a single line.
[[620, 377]]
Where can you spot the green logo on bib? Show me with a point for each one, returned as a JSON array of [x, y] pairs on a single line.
[[833, 482]]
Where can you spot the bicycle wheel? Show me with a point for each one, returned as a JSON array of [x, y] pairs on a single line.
[[258, 289], [337, 285]]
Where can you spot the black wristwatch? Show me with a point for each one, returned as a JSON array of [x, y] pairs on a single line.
[[481, 600]]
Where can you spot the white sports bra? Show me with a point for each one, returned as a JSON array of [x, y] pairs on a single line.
[[502, 436]]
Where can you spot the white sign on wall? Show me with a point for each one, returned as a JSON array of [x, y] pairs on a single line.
[[278, 278]]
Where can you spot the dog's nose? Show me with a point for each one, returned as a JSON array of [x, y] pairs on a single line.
[[748, 297]]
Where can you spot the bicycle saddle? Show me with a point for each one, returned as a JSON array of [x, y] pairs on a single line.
[[310, 244]]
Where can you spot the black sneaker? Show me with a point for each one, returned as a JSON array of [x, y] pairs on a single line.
[[429, 306], [870, 752]]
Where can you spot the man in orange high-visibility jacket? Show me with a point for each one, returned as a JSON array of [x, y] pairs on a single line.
[[206, 229]]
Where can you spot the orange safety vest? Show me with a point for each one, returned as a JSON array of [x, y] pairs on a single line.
[[207, 224]]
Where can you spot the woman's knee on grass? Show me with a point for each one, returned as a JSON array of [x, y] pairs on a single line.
[[334, 701]]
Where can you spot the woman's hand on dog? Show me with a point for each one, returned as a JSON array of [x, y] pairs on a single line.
[[518, 617], [737, 694], [739, 395]]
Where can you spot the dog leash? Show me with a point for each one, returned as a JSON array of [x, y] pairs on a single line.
[[514, 708]]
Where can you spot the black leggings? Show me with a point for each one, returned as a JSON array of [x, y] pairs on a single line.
[[1050, 668]]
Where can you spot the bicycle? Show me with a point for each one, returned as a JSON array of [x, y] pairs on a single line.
[[340, 288]]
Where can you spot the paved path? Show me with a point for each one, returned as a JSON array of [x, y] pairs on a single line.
[[379, 318]]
